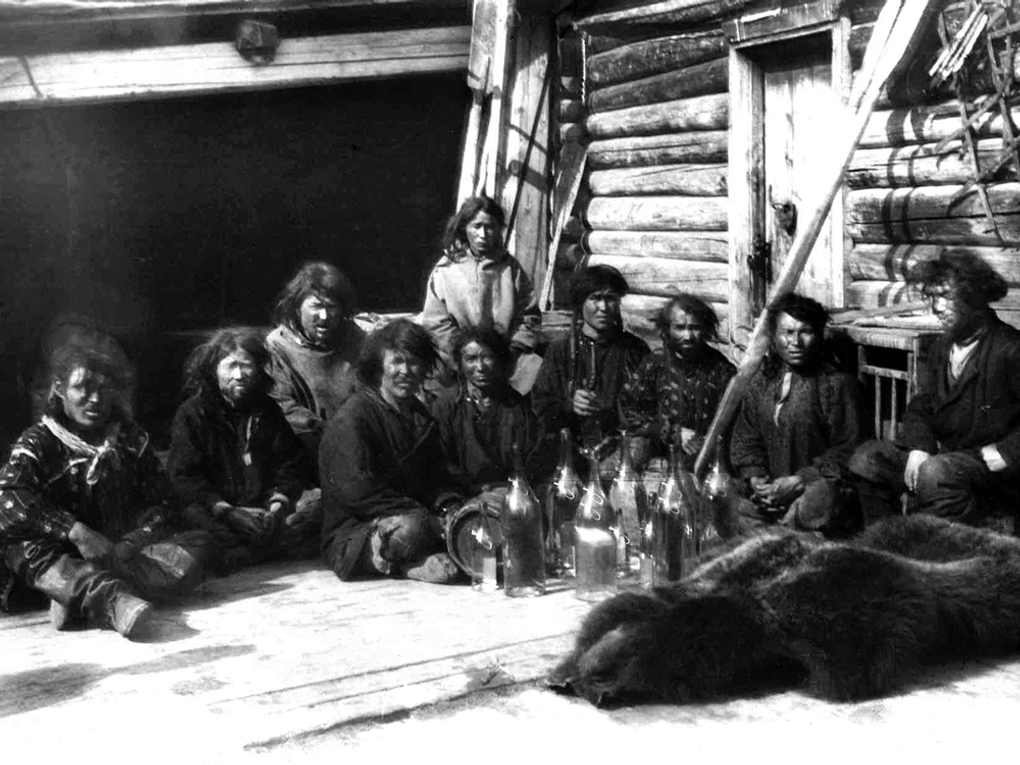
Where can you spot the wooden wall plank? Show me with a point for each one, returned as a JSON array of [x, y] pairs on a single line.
[[699, 113], [870, 294], [657, 213], [928, 203], [666, 276], [880, 262], [217, 67], [924, 124], [675, 148], [682, 180], [648, 57], [683, 245], [966, 231], [918, 164], [698, 80]]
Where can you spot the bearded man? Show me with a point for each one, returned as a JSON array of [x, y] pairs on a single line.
[[959, 449]]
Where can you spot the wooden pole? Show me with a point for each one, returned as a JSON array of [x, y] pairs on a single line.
[[573, 158], [897, 25]]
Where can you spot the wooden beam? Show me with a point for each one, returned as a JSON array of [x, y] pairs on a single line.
[[924, 124], [66, 78], [922, 164], [657, 213], [928, 204], [683, 245], [682, 180], [665, 277], [703, 146], [698, 80], [892, 262], [956, 231], [882, 293], [649, 57], [680, 12], [700, 113]]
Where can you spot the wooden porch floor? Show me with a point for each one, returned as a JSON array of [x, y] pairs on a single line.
[[285, 663]]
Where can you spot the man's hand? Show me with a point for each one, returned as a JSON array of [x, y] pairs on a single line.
[[993, 458], [91, 544], [585, 403], [249, 522], [690, 441], [915, 459], [401, 537], [778, 493]]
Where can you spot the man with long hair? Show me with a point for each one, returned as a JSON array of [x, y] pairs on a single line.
[[673, 395], [87, 514], [580, 381], [234, 459], [385, 487], [799, 422], [958, 452], [313, 350]]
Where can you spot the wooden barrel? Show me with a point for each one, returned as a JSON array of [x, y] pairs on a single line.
[[462, 524]]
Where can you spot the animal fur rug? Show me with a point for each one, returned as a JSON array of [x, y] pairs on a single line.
[[855, 619]]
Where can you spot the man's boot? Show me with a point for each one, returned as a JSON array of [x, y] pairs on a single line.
[[130, 615], [61, 618]]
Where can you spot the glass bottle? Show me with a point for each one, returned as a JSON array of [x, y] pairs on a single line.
[[561, 501], [719, 499], [595, 540], [629, 501], [673, 536], [485, 554], [523, 547]]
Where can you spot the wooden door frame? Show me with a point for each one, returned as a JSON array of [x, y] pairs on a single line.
[[746, 169]]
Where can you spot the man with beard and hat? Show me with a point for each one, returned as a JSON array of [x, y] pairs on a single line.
[[958, 452]]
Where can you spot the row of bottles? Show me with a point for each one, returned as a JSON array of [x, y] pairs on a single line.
[[591, 535]]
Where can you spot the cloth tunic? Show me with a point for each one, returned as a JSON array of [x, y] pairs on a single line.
[[817, 429], [669, 392], [376, 462], [479, 444], [614, 360], [209, 441], [311, 383], [465, 291]]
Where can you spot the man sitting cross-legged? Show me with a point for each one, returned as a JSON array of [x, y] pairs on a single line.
[[86, 510]]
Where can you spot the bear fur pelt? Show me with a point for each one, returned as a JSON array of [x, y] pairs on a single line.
[[854, 619]]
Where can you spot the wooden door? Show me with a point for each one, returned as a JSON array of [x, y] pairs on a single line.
[[801, 113], [786, 94]]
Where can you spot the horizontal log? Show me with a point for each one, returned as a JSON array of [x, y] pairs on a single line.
[[640, 311], [878, 293], [878, 262], [571, 110], [920, 165], [665, 277], [699, 113], [680, 12], [925, 124], [701, 146], [657, 213], [86, 76], [928, 202], [698, 80], [617, 38], [684, 180], [648, 57], [967, 231], [684, 245]]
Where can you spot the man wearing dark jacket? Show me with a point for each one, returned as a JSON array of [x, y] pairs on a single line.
[[959, 450], [385, 486], [234, 460]]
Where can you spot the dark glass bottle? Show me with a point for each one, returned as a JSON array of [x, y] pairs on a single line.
[[523, 548], [673, 535], [595, 540], [561, 501], [629, 501]]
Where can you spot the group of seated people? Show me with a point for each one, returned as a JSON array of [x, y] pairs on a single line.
[[323, 440]]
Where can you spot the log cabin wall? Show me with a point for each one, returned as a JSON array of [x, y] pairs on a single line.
[[656, 116]]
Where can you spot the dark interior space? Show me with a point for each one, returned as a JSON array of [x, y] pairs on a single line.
[[164, 219]]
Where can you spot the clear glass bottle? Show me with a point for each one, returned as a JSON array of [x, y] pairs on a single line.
[[561, 501], [595, 540], [485, 554], [523, 546], [673, 535], [629, 501], [718, 499]]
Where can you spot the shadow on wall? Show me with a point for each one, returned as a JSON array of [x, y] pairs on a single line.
[[159, 219]]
